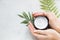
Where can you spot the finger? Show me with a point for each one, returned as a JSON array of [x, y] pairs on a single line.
[[38, 14], [31, 27], [42, 32], [49, 15], [51, 31], [39, 36], [58, 20]]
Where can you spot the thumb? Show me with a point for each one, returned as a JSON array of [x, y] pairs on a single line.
[[31, 27], [43, 32]]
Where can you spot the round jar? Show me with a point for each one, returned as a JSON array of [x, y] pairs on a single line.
[[41, 22]]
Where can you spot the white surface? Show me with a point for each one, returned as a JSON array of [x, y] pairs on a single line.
[[41, 22], [10, 27]]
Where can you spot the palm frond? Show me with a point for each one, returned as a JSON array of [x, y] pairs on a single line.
[[21, 16], [27, 16], [31, 17], [25, 22], [49, 5]]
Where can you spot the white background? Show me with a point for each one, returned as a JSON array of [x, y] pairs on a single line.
[[10, 27]]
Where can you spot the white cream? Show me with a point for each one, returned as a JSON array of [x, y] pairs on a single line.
[[41, 22]]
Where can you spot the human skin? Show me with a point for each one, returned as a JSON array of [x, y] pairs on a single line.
[[49, 34]]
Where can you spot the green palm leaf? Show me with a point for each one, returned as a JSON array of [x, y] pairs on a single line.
[[25, 22], [31, 17], [49, 5], [27, 16], [21, 16]]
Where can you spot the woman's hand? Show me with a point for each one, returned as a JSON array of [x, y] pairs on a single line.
[[53, 21], [48, 34]]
